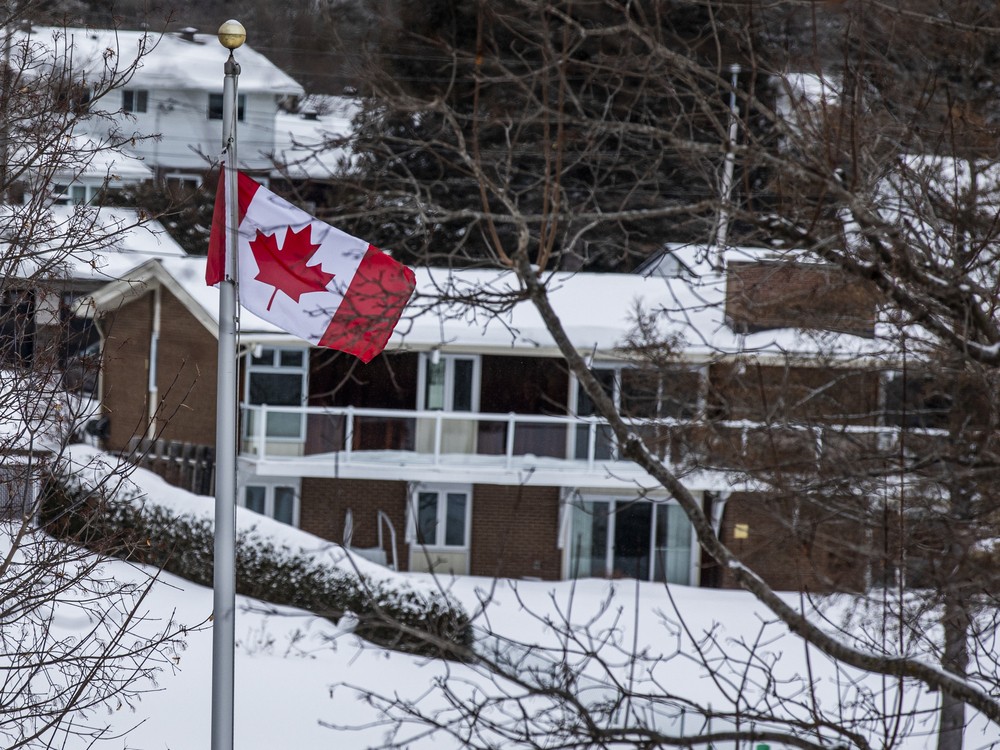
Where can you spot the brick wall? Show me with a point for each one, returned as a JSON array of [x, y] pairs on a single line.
[[514, 532], [186, 373], [124, 370], [795, 545], [324, 503], [765, 295], [514, 529]]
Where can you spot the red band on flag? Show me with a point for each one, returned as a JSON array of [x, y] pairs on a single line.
[[215, 271], [371, 307]]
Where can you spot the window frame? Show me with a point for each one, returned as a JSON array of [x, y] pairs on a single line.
[[615, 502], [448, 360], [276, 368], [76, 193], [440, 536], [216, 105], [270, 485], [617, 394], [135, 101], [699, 369]]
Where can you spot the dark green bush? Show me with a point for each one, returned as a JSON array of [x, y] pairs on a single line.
[[429, 623]]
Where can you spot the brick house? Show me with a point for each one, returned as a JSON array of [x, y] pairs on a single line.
[[77, 251], [468, 446]]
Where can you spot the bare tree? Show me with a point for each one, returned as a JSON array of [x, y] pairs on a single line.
[[537, 136], [75, 641]]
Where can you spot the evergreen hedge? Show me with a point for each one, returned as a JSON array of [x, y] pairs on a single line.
[[388, 613]]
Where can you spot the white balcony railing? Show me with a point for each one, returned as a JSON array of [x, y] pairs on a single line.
[[434, 437]]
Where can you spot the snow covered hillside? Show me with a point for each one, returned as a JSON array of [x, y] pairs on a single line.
[[302, 682]]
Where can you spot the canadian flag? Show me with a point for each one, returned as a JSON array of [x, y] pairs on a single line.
[[308, 278]]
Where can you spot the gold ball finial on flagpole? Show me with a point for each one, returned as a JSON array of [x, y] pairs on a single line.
[[232, 34]]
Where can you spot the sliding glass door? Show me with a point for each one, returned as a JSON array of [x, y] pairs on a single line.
[[618, 538]]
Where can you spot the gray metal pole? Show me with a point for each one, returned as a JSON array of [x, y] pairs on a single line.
[[722, 230], [224, 623]]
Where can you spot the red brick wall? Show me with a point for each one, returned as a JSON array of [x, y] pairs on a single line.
[[125, 368], [186, 373], [513, 528], [324, 503], [794, 545], [514, 532], [765, 295]]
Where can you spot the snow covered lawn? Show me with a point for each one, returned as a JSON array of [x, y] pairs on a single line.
[[301, 680]]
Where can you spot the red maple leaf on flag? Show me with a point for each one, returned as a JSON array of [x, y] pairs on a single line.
[[287, 268]]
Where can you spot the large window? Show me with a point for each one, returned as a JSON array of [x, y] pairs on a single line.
[[615, 537], [78, 194], [656, 393], [278, 499], [447, 383], [277, 376], [916, 400], [639, 393]]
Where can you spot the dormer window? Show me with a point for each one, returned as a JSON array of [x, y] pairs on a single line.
[[215, 107], [135, 100]]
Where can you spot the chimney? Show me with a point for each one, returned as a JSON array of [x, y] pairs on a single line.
[[187, 33]]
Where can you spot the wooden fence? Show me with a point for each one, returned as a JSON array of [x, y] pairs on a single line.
[[185, 465]]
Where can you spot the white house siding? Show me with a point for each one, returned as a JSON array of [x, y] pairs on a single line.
[[189, 136]]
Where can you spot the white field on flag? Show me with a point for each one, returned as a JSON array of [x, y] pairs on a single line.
[[321, 253], [309, 278]]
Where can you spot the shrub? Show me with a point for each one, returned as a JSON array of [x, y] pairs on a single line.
[[390, 614]]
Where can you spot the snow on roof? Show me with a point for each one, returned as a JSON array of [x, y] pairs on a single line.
[[306, 144], [171, 60], [802, 92], [118, 166], [78, 156], [95, 243], [597, 310]]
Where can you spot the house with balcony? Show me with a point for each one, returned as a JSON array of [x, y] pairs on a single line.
[[468, 446]]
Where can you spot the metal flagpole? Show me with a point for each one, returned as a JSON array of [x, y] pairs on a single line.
[[231, 36]]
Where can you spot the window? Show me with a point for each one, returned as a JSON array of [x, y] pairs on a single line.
[[135, 100], [602, 435], [916, 400], [180, 185], [17, 326], [278, 499], [450, 383], [215, 107], [278, 377], [75, 195], [619, 537], [640, 393], [442, 516], [649, 394]]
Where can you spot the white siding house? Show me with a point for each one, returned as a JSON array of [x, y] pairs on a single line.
[[172, 104]]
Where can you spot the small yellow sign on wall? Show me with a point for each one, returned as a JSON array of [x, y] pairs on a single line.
[[741, 531]]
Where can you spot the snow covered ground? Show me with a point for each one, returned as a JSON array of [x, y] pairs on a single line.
[[300, 680]]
